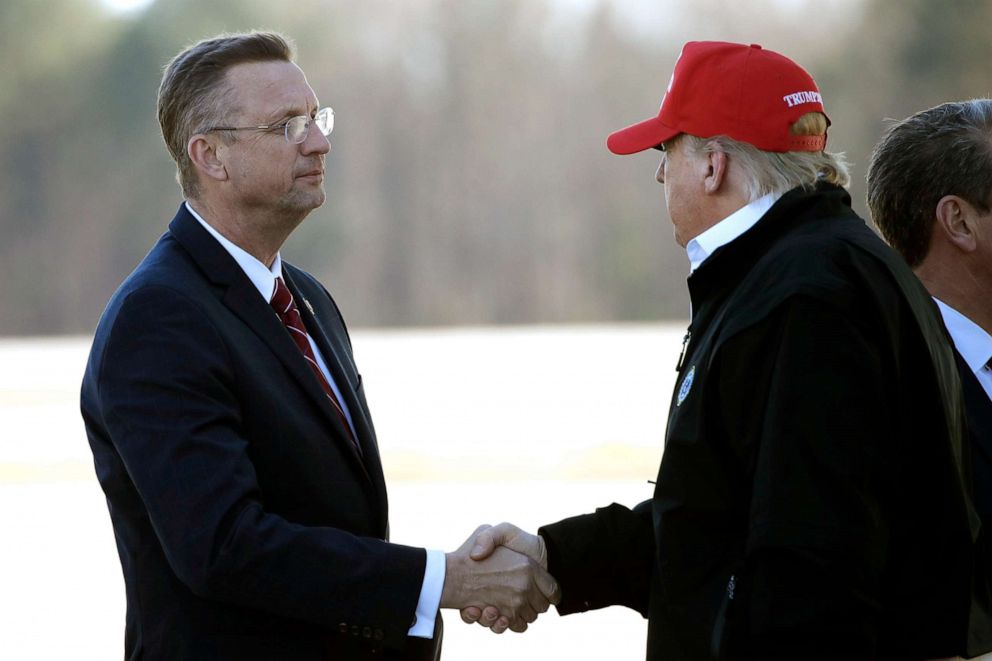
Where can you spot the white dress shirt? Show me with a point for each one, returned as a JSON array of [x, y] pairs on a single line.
[[700, 248], [971, 341], [728, 229], [264, 279]]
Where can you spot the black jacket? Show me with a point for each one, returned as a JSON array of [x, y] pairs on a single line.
[[813, 500]]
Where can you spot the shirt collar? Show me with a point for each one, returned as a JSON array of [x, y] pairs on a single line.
[[260, 275], [728, 229], [970, 339]]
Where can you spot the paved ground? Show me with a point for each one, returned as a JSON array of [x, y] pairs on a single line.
[[63, 596], [476, 426]]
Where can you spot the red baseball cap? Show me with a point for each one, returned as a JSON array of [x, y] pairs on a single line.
[[745, 92]]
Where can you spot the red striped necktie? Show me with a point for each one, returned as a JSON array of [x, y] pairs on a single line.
[[285, 307]]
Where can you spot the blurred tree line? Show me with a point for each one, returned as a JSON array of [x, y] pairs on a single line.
[[468, 180]]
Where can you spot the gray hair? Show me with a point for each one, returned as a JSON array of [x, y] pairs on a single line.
[[193, 96], [941, 151], [778, 172]]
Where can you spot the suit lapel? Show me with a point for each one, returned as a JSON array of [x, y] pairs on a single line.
[[330, 345], [978, 407], [243, 299]]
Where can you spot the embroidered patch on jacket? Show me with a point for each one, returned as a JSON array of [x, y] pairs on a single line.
[[686, 385]]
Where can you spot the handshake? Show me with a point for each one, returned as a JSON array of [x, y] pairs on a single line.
[[499, 578]]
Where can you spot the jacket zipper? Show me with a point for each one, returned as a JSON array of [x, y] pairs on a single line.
[[685, 343], [720, 626]]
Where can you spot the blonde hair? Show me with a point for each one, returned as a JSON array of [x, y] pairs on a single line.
[[778, 172]]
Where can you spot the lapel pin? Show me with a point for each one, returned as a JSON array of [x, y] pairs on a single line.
[[309, 307]]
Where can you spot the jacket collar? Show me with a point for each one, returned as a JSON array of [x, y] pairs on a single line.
[[243, 299], [727, 266]]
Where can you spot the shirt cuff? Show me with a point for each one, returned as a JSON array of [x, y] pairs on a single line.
[[430, 596]]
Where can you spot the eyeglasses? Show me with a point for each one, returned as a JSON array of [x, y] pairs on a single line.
[[295, 129]]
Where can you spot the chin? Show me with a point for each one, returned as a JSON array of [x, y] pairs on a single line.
[[306, 201], [316, 198]]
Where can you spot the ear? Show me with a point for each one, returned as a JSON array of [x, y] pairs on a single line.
[[716, 171], [203, 151], [955, 221]]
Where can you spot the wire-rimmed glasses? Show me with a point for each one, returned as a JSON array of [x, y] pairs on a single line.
[[295, 129]]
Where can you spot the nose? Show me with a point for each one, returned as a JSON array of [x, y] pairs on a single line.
[[660, 174], [316, 142]]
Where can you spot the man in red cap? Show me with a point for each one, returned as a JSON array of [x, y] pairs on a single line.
[[813, 499]]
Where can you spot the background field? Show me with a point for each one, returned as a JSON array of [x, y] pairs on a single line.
[[537, 424]]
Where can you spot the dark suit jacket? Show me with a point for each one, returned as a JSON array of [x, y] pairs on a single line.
[[248, 526], [978, 407]]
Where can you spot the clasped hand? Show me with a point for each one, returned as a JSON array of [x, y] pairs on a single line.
[[499, 578]]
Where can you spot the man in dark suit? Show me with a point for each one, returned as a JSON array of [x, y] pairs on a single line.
[[227, 417], [813, 499], [930, 193]]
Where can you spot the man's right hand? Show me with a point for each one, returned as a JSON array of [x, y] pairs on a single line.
[[487, 541], [487, 572]]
